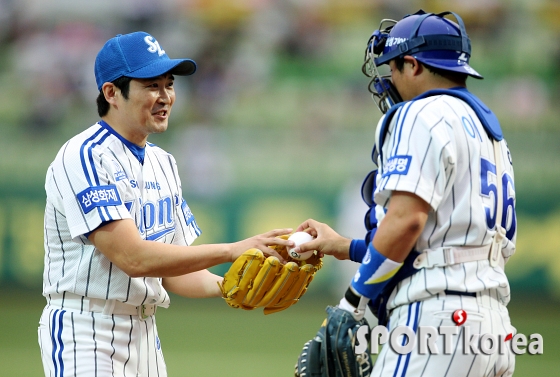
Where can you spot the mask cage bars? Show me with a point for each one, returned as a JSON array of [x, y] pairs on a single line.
[[383, 92]]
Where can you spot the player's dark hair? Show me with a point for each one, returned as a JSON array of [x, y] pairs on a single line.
[[123, 83], [399, 63], [459, 78]]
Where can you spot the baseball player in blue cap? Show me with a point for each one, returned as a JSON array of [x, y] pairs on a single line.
[[441, 223], [117, 228]]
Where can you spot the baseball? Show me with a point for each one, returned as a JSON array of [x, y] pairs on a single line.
[[300, 238]]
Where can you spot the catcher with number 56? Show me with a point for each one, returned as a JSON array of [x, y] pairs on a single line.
[[441, 224]]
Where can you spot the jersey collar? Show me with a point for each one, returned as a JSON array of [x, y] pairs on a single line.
[[137, 151]]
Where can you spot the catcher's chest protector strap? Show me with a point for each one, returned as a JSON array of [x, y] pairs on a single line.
[[369, 184], [487, 118], [485, 115]]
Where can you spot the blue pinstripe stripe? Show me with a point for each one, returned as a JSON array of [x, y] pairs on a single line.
[[399, 127], [400, 355], [415, 329], [58, 345], [84, 165], [385, 125], [396, 129], [92, 164], [108, 214], [400, 120], [82, 159], [196, 228], [54, 344], [162, 233], [60, 326], [90, 155]]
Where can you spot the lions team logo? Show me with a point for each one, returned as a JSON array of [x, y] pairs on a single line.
[[119, 172], [153, 45]]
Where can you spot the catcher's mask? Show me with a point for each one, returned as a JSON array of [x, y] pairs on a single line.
[[430, 38]]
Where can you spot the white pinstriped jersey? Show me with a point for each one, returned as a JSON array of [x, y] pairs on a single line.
[[437, 148], [97, 177]]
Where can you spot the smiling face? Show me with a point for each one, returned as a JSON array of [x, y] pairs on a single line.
[[146, 111]]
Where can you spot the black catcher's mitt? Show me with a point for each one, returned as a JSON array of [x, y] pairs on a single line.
[[331, 352]]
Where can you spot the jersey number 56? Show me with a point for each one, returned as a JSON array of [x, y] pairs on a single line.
[[509, 220]]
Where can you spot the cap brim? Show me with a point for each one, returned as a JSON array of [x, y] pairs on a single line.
[[463, 68], [181, 67]]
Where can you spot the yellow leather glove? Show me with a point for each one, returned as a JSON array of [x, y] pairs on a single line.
[[255, 281]]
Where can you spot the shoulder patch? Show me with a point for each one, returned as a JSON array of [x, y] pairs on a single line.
[[397, 165], [98, 196]]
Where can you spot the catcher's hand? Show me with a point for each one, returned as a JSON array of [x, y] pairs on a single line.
[[255, 281], [331, 352]]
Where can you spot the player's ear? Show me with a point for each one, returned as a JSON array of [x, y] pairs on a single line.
[[413, 64], [111, 92]]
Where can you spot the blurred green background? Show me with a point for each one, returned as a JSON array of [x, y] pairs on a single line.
[[276, 126]]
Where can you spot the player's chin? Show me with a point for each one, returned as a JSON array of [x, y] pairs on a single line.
[[159, 126]]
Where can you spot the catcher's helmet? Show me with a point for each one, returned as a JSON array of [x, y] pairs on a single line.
[[431, 39]]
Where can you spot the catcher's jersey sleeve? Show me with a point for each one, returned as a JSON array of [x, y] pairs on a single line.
[[417, 156]]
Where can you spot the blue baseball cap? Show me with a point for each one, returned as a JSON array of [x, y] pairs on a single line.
[[137, 55]]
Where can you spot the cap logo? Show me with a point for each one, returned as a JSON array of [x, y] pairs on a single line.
[[153, 45]]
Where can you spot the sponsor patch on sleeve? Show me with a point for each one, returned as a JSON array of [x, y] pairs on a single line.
[[189, 217], [397, 165], [98, 196]]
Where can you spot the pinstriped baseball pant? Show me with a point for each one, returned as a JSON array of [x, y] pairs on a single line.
[[88, 344], [485, 315]]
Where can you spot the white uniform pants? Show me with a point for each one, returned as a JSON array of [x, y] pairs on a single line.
[[83, 344], [485, 315]]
